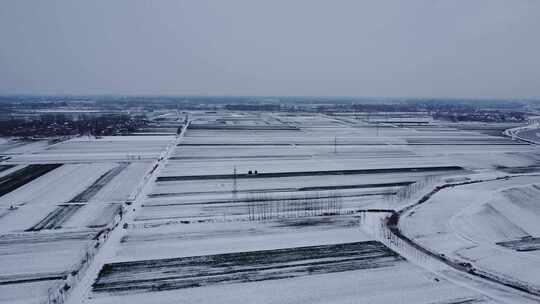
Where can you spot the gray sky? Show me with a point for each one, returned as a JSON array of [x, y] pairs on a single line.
[[446, 48]]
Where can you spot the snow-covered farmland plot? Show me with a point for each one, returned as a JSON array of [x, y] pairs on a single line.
[[45, 256], [492, 225], [13, 146], [305, 258], [107, 148], [27, 205]]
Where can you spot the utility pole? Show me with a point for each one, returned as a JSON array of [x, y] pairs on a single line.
[[235, 185]]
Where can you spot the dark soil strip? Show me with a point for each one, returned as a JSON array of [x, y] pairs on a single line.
[[31, 278], [42, 237], [188, 272], [311, 173], [524, 244], [63, 213], [5, 167], [57, 217], [23, 176]]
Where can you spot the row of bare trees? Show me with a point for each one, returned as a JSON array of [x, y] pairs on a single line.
[[263, 206], [411, 191]]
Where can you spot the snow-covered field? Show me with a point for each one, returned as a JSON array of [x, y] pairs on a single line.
[[153, 218], [52, 222], [470, 223], [104, 149], [13, 146]]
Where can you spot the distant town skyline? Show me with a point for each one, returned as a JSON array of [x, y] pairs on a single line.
[[430, 48]]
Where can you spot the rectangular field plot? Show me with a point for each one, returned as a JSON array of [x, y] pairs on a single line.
[[283, 184], [263, 206], [188, 272], [177, 170], [242, 152], [121, 187], [156, 240], [338, 273], [63, 213], [108, 148], [98, 184], [31, 256], [28, 293], [29, 204], [17, 146], [112, 144]]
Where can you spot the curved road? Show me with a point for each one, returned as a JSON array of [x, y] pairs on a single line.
[[385, 227]]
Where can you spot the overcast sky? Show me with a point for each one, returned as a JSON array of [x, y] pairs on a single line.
[[450, 48]]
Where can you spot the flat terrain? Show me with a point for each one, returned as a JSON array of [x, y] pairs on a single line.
[[264, 207]]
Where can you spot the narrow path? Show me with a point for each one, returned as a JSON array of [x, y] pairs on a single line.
[[79, 293]]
